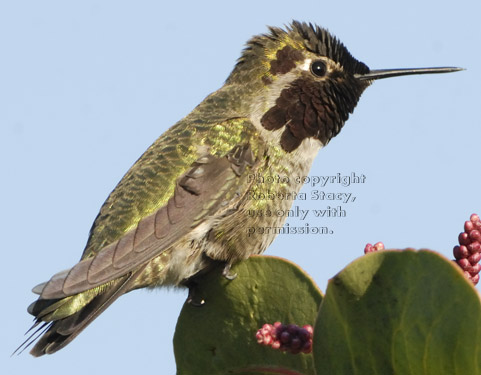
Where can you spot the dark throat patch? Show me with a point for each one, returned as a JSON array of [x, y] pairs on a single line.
[[307, 109]]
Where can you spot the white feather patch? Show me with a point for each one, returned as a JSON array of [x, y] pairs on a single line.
[[306, 65]]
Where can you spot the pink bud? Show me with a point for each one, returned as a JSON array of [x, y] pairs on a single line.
[[468, 226], [475, 269], [368, 248], [474, 235], [304, 334], [464, 239], [474, 258], [309, 329], [474, 218], [463, 263], [378, 246], [307, 347], [266, 329], [475, 279], [460, 252], [285, 337], [477, 225], [279, 329], [474, 247], [268, 340], [295, 343], [292, 329]]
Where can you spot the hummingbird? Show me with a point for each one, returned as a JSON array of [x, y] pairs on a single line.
[[184, 204]]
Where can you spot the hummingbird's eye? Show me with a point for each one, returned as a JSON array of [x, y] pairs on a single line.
[[318, 68]]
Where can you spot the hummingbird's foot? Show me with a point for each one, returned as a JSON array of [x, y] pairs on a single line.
[[191, 300], [226, 272]]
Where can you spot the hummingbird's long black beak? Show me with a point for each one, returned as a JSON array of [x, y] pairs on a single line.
[[387, 73]]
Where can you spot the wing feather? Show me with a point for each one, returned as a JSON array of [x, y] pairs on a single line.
[[207, 189]]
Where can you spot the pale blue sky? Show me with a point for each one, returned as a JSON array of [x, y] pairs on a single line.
[[87, 86]]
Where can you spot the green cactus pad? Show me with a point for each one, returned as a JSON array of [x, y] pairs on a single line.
[[219, 337]]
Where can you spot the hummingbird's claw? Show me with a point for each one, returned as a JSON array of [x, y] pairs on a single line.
[[191, 300], [226, 272]]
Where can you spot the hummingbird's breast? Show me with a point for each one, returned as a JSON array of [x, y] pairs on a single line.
[[264, 208]]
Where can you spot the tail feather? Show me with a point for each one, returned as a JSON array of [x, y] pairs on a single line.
[[55, 333], [32, 338]]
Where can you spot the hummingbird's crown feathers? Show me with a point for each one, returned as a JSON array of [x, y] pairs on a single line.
[[321, 42], [262, 49]]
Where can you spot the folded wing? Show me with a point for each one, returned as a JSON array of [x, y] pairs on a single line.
[[209, 189]]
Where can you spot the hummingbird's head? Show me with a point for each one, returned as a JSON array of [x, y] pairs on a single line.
[[305, 82]]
